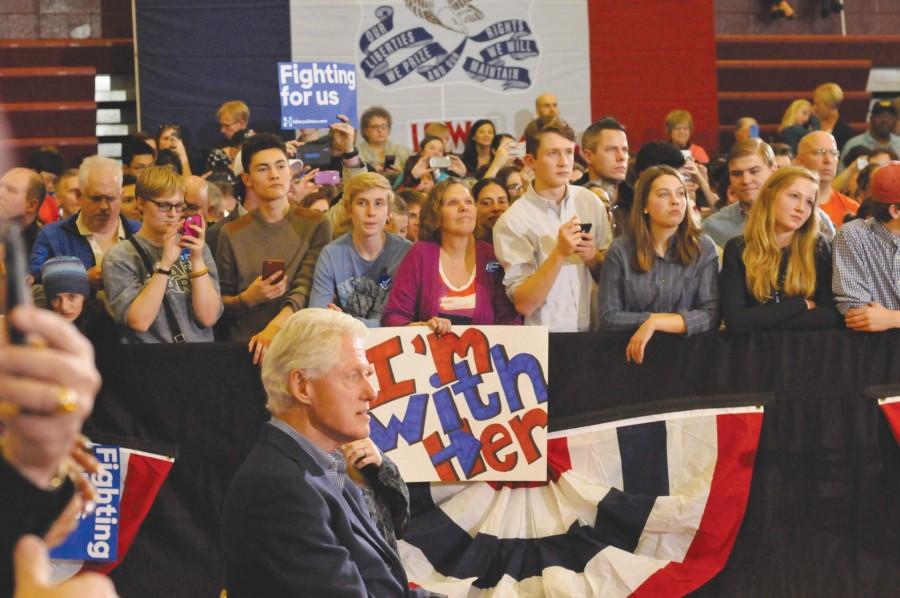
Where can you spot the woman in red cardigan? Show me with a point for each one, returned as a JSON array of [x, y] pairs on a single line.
[[448, 278]]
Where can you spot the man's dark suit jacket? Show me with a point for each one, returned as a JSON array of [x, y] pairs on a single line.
[[288, 531]]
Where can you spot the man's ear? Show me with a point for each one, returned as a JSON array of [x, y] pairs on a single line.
[[587, 154], [245, 176], [894, 210], [32, 206], [300, 387], [528, 159]]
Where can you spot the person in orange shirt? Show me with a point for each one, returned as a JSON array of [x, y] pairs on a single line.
[[818, 152]]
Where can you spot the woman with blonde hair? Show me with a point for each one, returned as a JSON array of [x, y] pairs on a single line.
[[449, 277], [796, 123], [778, 273], [827, 99], [661, 275]]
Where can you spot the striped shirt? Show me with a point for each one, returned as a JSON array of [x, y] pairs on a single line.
[[333, 463], [629, 296], [866, 266]]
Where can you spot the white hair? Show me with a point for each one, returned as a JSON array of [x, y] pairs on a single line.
[[96, 162], [310, 341]]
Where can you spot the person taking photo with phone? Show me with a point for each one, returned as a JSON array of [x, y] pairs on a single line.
[[162, 283]]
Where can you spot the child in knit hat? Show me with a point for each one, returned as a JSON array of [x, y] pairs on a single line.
[[65, 286]]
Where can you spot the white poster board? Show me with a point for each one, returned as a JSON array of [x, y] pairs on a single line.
[[469, 405]]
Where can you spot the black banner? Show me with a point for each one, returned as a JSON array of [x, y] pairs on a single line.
[[821, 519]]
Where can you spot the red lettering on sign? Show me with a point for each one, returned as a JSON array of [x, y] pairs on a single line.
[[389, 388]]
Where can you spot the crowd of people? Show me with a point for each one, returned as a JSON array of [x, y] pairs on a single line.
[[540, 227], [533, 228]]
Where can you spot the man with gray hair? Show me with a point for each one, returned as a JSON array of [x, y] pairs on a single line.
[[293, 522], [97, 226]]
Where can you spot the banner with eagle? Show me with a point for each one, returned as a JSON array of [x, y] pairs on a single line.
[[453, 60]]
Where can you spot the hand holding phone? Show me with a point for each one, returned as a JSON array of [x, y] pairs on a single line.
[[327, 177], [270, 267], [516, 150], [389, 161], [586, 226], [439, 162], [16, 290], [195, 220]]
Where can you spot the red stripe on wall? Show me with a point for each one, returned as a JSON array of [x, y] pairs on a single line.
[[649, 57]]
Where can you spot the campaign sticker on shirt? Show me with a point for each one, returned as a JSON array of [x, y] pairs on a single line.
[[492, 267], [384, 281]]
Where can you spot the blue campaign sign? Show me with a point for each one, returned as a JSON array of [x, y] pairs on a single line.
[[97, 536], [312, 94]]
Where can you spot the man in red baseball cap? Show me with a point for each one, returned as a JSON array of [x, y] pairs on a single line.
[[866, 278]]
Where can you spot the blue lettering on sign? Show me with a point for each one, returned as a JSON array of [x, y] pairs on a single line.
[[385, 57], [458, 441]]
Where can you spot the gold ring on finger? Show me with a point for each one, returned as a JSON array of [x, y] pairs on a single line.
[[66, 400]]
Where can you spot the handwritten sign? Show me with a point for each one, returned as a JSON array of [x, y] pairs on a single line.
[[470, 405], [312, 94]]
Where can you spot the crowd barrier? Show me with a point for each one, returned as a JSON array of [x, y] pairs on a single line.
[[821, 519]]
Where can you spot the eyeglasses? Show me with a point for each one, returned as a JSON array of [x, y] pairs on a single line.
[[514, 187], [166, 207], [822, 151], [378, 127]]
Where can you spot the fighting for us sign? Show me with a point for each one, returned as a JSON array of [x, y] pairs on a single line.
[[453, 60]]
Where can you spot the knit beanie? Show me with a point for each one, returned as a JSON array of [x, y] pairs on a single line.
[[65, 274]]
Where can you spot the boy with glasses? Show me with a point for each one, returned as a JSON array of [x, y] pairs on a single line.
[[158, 296]]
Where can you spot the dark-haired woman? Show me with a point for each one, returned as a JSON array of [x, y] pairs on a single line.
[[661, 275], [477, 152], [491, 200], [778, 273]]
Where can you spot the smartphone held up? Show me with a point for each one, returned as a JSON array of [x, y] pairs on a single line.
[[15, 284]]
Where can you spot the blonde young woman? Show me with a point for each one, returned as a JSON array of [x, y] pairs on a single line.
[[778, 274], [796, 122], [661, 275]]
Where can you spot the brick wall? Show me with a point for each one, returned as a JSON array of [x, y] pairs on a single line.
[[42, 19]]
